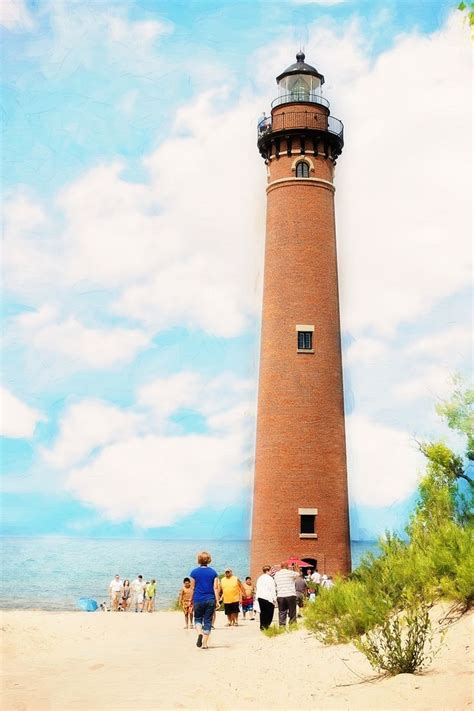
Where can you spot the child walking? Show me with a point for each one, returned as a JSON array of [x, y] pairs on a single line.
[[185, 599], [247, 598]]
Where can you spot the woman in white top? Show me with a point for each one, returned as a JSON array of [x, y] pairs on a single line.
[[266, 596]]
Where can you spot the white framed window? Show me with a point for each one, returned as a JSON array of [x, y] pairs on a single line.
[[304, 335], [308, 523]]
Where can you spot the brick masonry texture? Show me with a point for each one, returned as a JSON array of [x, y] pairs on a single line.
[[300, 450]]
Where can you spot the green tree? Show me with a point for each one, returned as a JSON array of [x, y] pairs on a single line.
[[442, 496], [458, 411], [435, 561]]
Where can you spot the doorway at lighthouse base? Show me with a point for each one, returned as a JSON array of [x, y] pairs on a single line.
[[312, 562]]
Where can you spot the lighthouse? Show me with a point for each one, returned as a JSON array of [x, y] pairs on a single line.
[[300, 503]]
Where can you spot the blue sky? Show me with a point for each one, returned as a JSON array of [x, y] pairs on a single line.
[[134, 217]]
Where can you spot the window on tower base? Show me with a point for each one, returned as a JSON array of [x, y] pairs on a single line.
[[308, 523], [304, 334], [305, 340]]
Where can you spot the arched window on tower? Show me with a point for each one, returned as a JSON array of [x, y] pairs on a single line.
[[302, 169]]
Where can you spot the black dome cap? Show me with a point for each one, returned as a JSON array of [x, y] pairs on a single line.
[[300, 67]]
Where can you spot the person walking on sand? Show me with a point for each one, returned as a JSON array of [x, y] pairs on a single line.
[[206, 592], [232, 595], [150, 594], [115, 591], [265, 592], [185, 600], [138, 593], [247, 598], [286, 594], [301, 591]]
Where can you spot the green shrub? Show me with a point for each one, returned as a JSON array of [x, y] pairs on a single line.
[[455, 568], [403, 644], [437, 565], [435, 561], [345, 611], [385, 575]]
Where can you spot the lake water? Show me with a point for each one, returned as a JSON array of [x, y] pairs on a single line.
[[51, 573]]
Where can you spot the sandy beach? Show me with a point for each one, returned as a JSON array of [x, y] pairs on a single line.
[[117, 661]]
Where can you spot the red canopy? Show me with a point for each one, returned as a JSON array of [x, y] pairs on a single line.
[[299, 563]]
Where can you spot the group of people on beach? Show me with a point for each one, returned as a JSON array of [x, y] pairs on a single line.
[[138, 595], [286, 588], [234, 595], [203, 592]]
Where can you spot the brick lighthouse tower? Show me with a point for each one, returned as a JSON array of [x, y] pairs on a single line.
[[300, 505]]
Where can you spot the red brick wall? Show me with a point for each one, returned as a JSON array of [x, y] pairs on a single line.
[[299, 115], [300, 450]]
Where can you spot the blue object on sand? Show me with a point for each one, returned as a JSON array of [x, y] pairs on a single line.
[[87, 604]]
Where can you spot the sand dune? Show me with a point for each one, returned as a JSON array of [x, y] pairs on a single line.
[[63, 661]]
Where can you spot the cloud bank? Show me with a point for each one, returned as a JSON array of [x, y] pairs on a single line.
[[137, 465], [118, 256], [18, 420]]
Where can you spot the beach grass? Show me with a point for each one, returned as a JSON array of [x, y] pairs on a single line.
[[277, 630]]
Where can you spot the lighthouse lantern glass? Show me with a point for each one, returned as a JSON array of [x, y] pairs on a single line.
[[299, 87]]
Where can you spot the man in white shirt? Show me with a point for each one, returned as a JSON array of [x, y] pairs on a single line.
[[115, 588], [265, 592], [327, 581], [286, 594], [316, 577], [138, 593]]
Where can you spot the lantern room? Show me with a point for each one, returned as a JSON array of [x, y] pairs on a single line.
[[300, 83]]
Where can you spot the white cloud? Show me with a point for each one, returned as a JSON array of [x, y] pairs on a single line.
[[224, 391], [213, 216], [155, 480], [366, 350], [232, 420], [223, 400], [86, 426], [31, 253], [112, 231], [451, 344], [130, 464], [18, 420], [163, 396], [384, 463], [14, 15], [78, 345], [179, 249], [185, 247], [433, 382], [401, 189]]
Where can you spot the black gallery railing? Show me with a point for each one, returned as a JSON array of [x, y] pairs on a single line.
[[303, 96]]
